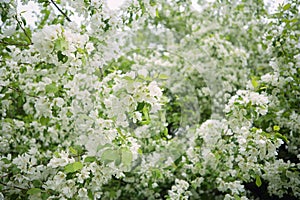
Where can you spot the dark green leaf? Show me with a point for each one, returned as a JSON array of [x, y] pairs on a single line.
[[89, 159], [61, 57]]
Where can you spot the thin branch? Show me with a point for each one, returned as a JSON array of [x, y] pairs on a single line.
[[13, 186], [20, 24], [64, 14], [14, 44], [5, 175], [101, 72], [163, 50], [17, 90]]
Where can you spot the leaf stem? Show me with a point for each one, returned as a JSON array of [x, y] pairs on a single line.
[[23, 29], [14, 44], [64, 14]]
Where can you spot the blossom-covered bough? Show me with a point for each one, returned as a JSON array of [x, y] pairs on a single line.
[[156, 100]]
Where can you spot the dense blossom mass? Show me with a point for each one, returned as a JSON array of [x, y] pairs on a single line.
[[156, 100]]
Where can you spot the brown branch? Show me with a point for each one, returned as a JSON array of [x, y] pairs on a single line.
[[20, 24], [64, 14], [5, 175], [13, 186]]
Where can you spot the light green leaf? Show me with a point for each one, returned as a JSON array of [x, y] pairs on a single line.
[[73, 167], [156, 174], [286, 6], [73, 151], [110, 155], [126, 156], [254, 82], [56, 154], [276, 128], [156, 13], [163, 76], [127, 78], [33, 191], [140, 151], [236, 197], [51, 88], [60, 44], [44, 120], [258, 181]]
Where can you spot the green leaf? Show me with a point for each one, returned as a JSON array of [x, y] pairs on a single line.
[[33, 191], [45, 196], [73, 151], [51, 88], [90, 194], [254, 82], [37, 183], [105, 146], [118, 160], [127, 78], [269, 37], [81, 51], [110, 155], [126, 156], [146, 113], [152, 3], [44, 120], [73, 167], [61, 57], [236, 197], [156, 13], [23, 69], [286, 6], [258, 181], [140, 151], [60, 44], [56, 154], [276, 128], [163, 76], [278, 135], [5, 160], [90, 159], [156, 174], [23, 20]]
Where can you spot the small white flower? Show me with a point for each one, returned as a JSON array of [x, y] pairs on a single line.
[[82, 192], [143, 72], [154, 90]]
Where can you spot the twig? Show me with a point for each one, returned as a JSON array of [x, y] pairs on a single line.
[[64, 14], [13, 186], [5, 175], [17, 90], [14, 44], [101, 72], [20, 24], [163, 50]]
